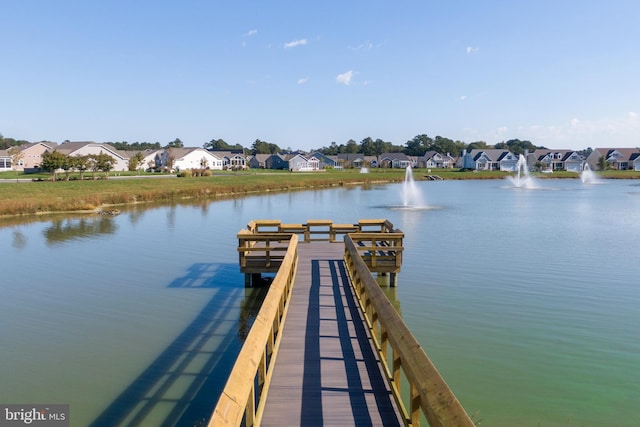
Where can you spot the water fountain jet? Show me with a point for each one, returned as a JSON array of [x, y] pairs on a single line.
[[587, 176], [522, 178]]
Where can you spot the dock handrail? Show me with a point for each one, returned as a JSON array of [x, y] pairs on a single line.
[[429, 394], [246, 389]]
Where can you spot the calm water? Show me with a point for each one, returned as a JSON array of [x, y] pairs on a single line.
[[527, 300]]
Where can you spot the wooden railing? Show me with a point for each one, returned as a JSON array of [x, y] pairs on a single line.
[[319, 229], [401, 354], [245, 392]]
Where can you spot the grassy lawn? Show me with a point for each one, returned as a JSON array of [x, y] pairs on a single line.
[[28, 198]]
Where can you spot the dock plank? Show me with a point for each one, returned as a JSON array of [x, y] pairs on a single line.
[[326, 372]]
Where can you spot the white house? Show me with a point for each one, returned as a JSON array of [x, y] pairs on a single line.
[[188, 158], [5, 161]]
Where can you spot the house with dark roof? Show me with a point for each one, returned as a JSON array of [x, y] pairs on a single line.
[[555, 160], [394, 160], [433, 159], [356, 160], [616, 158], [490, 159]]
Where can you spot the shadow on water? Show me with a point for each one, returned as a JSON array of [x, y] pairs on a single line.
[[182, 385]]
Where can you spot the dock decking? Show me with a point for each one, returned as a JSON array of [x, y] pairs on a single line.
[[327, 373]]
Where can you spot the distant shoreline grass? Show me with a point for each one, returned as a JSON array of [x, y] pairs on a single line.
[[34, 198]]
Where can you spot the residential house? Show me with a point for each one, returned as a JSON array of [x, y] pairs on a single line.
[[231, 159], [277, 161], [32, 155], [121, 158], [5, 161], [355, 160], [490, 159], [616, 158], [300, 163], [556, 160], [433, 159], [187, 158], [394, 160], [259, 161], [325, 162], [149, 159]]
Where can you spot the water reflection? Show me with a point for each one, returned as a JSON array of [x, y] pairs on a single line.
[[64, 230], [19, 241]]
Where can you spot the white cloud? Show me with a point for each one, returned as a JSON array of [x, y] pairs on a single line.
[[250, 33], [303, 80], [345, 78], [295, 43], [463, 97], [472, 49]]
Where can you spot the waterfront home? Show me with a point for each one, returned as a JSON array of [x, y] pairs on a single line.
[[433, 159], [187, 158], [616, 158], [394, 160], [555, 160], [325, 162], [85, 148], [31, 156], [259, 161], [231, 159], [356, 160], [489, 160]]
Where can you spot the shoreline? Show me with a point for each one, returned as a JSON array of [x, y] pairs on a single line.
[[94, 196]]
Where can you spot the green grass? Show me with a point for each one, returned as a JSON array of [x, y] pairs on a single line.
[[29, 198]]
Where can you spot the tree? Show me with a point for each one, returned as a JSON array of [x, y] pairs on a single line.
[[170, 160], [135, 161], [419, 145], [176, 143], [221, 145], [53, 161], [82, 165], [104, 163], [477, 145], [16, 157], [517, 146], [263, 147]]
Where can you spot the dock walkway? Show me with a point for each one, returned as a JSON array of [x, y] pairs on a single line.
[[327, 373]]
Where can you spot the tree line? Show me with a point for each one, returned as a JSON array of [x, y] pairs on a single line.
[[417, 146]]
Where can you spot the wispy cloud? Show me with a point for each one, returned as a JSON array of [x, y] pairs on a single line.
[[472, 49], [364, 46], [345, 78], [250, 33], [303, 80], [295, 43]]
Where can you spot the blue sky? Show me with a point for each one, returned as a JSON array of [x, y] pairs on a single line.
[[563, 74]]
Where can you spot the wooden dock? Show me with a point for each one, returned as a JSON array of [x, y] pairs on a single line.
[[327, 373], [327, 348]]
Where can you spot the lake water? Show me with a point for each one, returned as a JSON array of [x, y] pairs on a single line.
[[527, 300]]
